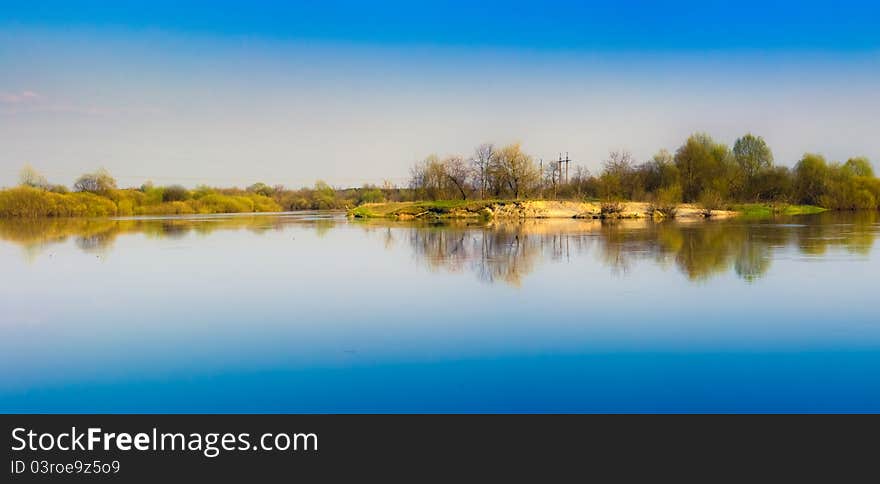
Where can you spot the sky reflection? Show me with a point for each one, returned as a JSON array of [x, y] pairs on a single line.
[[315, 313]]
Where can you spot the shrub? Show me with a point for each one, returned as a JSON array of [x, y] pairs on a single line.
[[217, 203], [33, 202], [610, 208], [174, 193], [710, 200], [264, 203], [370, 195], [667, 200], [167, 208]]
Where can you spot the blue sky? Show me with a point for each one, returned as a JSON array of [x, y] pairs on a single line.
[[626, 24], [351, 92]]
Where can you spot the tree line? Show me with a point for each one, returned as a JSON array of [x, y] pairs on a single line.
[[96, 194], [701, 170]]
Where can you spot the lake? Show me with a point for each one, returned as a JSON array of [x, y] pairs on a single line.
[[311, 312]]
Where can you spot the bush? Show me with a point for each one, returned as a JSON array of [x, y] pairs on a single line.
[[370, 195], [167, 208], [710, 200], [33, 202], [610, 208], [174, 193], [264, 204], [667, 200]]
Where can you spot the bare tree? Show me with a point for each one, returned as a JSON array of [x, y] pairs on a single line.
[[30, 177], [480, 164], [617, 174], [98, 182], [552, 176], [429, 178], [515, 170], [456, 170]]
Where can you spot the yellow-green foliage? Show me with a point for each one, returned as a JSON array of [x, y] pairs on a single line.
[[847, 192], [166, 208], [35, 202], [263, 203], [217, 203]]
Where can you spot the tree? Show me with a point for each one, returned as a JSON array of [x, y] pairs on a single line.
[[99, 182], [515, 170], [774, 183], [456, 170], [324, 195], [370, 194], [174, 193], [811, 178], [428, 178], [552, 176], [702, 164], [261, 188], [859, 166], [30, 177], [752, 156], [617, 179], [660, 172], [480, 163], [583, 183]]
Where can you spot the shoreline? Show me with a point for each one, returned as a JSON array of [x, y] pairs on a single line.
[[541, 209]]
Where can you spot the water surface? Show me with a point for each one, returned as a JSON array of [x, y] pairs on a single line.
[[310, 312]]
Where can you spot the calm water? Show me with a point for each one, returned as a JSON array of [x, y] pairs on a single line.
[[313, 313]]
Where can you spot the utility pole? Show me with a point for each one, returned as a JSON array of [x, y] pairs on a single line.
[[567, 162], [541, 171], [563, 173]]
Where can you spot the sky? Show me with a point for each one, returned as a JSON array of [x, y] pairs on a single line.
[[231, 93]]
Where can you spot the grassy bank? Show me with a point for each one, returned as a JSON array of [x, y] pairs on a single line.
[[35, 202], [439, 208], [765, 210]]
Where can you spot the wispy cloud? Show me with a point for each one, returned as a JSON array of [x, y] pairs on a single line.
[[33, 102], [23, 97]]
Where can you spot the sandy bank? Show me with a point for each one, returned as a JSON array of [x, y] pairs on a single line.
[[525, 209]]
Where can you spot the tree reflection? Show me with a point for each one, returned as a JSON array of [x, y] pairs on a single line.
[[699, 250], [508, 251], [99, 234]]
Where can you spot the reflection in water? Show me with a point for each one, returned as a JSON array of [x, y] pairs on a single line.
[[509, 251], [98, 235], [313, 313]]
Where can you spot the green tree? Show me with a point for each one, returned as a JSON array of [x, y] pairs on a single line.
[[660, 172], [774, 183], [175, 193], [261, 188], [702, 164], [811, 178], [859, 166], [324, 195], [752, 156]]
